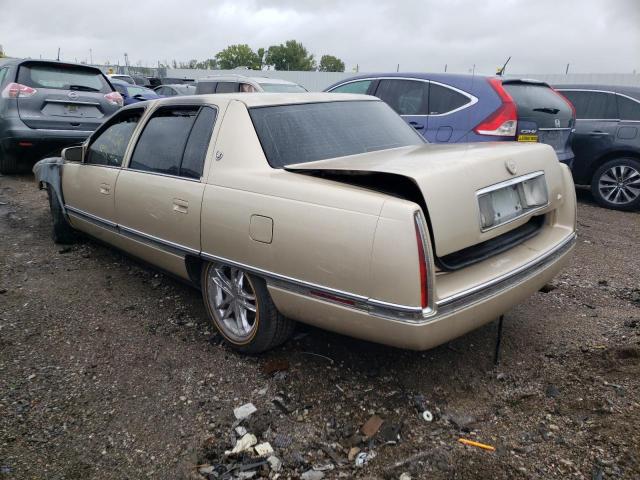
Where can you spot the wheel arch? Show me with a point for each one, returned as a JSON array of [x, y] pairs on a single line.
[[601, 160]]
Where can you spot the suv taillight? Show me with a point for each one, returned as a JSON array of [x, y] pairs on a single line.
[[17, 90], [114, 98], [504, 121]]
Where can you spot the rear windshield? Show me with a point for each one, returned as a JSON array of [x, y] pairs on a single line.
[[303, 133], [281, 87], [63, 78], [537, 100]]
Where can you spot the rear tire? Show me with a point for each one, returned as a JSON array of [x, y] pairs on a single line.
[[616, 184], [62, 232], [241, 309]]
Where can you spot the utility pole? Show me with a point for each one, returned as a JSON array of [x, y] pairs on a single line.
[[91, 56], [445, 68], [398, 68], [566, 70], [58, 53]]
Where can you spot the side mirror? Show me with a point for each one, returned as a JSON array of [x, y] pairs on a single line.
[[73, 154]]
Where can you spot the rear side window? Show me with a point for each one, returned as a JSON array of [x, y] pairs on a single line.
[[3, 74], [62, 77], [592, 105], [227, 87], [407, 97], [174, 141], [354, 87], [110, 144], [302, 133], [535, 101], [444, 100], [203, 88], [628, 109]]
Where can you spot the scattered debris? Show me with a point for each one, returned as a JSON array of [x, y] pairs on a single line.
[[552, 391], [263, 449], [275, 463], [312, 475], [363, 458], [427, 416], [318, 355], [245, 411], [282, 441], [245, 443], [353, 452], [390, 432], [241, 431], [324, 467], [548, 288], [405, 476], [472, 443], [371, 426]]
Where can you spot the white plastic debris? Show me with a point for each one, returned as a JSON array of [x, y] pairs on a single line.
[[244, 411], [312, 475], [206, 470], [427, 416], [245, 443], [275, 463], [241, 431], [264, 449], [363, 458]]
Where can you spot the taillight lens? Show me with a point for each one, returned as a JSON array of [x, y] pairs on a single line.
[[504, 121], [422, 260], [17, 90], [114, 98]]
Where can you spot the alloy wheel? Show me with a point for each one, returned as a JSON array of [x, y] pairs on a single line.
[[620, 184], [233, 300]]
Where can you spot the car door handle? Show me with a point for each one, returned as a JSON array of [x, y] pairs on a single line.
[[105, 189], [598, 132], [180, 206], [416, 125]]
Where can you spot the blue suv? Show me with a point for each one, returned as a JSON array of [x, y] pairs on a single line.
[[452, 108]]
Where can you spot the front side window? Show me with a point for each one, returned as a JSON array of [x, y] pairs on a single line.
[[592, 105], [407, 97], [628, 109], [174, 141], [301, 133], [109, 146], [444, 100], [353, 87], [203, 88]]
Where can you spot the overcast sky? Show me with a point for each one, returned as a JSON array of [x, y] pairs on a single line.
[[542, 36]]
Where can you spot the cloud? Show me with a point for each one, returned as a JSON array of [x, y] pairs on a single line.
[[422, 35]]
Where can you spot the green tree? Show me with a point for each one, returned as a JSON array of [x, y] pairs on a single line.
[[237, 56], [290, 56], [329, 63]]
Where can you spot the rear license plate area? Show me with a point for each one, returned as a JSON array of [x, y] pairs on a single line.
[[507, 201], [527, 138]]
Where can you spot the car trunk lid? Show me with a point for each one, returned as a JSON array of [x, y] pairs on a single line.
[[450, 177]]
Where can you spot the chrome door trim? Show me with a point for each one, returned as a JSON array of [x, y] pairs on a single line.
[[102, 222], [156, 241]]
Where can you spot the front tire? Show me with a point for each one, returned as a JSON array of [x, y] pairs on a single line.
[[616, 184], [241, 309], [8, 163]]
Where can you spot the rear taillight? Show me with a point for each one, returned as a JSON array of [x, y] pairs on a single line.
[[114, 98], [573, 109], [422, 260], [17, 90], [504, 121]]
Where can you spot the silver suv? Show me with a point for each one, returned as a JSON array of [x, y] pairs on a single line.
[[46, 106], [241, 83]]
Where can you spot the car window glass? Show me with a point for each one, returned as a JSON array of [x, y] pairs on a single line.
[[197, 144], [3, 73], [162, 91], [227, 87], [120, 88], [109, 146], [592, 105], [202, 88], [628, 109], [163, 140], [444, 100], [62, 77], [407, 97], [353, 87]]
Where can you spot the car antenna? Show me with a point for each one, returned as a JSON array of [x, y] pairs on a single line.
[[500, 71]]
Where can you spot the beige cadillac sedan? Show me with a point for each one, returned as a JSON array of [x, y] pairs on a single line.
[[320, 208]]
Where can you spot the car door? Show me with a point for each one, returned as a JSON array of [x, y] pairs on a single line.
[[88, 187], [409, 98], [595, 130], [448, 120], [159, 194], [628, 134]]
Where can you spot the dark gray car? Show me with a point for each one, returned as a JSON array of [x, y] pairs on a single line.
[[46, 106], [606, 142]]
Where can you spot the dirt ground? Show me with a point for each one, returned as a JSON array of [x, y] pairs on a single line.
[[110, 370]]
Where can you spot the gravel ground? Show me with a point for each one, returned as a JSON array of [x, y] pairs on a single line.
[[110, 370]]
